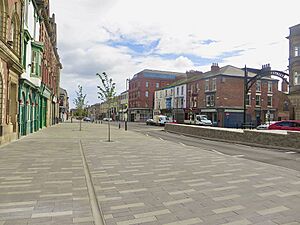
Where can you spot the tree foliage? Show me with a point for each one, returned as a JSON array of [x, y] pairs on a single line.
[[80, 102], [107, 88]]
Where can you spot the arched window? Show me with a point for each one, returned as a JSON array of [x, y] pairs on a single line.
[[15, 33], [3, 19]]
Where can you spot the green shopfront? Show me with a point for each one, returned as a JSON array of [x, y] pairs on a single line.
[[32, 107], [28, 107]]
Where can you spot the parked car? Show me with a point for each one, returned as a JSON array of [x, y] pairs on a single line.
[[293, 125], [87, 119], [107, 119], [265, 126], [150, 122]]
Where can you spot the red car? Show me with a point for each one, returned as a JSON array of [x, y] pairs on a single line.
[[293, 125]]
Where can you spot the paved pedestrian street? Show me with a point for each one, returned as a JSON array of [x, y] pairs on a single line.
[[137, 180]]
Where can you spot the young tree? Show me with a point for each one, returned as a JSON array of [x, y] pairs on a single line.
[[106, 92], [80, 104]]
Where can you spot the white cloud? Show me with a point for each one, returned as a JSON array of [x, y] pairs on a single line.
[[255, 28]]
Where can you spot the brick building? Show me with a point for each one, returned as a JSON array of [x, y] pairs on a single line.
[[50, 65], [294, 69], [141, 91], [219, 94]]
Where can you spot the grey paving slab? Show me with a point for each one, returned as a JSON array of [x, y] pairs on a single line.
[[138, 180]]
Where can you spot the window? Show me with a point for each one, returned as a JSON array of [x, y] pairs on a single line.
[[207, 85], [157, 85], [257, 100], [147, 94], [296, 78], [269, 100], [147, 84], [283, 124], [166, 92], [258, 86], [182, 88], [214, 84], [297, 50], [270, 86], [197, 86], [248, 97], [26, 11], [210, 100], [34, 63], [195, 102], [181, 102], [285, 106], [177, 90]]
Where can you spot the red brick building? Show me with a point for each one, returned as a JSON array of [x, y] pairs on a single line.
[[141, 91], [219, 94], [51, 65]]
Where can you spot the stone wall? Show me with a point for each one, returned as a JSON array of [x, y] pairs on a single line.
[[251, 137]]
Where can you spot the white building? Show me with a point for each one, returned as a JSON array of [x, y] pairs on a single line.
[[180, 96], [32, 108]]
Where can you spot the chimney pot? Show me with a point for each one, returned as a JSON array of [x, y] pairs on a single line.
[[215, 67]]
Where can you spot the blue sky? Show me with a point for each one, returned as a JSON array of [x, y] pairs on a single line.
[[125, 37]]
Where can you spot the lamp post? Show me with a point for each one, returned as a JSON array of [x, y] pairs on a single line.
[[245, 95]]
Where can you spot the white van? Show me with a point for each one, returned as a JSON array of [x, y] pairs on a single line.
[[202, 120], [160, 120]]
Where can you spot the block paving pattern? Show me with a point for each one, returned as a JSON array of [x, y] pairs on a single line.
[[150, 181], [138, 180]]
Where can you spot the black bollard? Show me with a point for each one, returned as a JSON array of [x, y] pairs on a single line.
[[119, 125], [125, 125]]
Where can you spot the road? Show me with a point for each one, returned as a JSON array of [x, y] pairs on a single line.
[[285, 158]]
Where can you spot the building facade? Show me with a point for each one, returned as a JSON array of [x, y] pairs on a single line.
[[294, 69], [10, 67], [63, 105], [141, 92], [219, 94], [123, 106], [50, 66], [30, 117]]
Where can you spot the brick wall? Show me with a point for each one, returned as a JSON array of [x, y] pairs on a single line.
[[251, 137]]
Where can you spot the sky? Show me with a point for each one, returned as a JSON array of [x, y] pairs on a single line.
[[122, 37]]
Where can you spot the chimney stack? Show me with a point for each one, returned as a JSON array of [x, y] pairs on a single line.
[[214, 67]]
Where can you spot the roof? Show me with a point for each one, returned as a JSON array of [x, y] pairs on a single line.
[[226, 71], [223, 71], [164, 72], [159, 74]]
